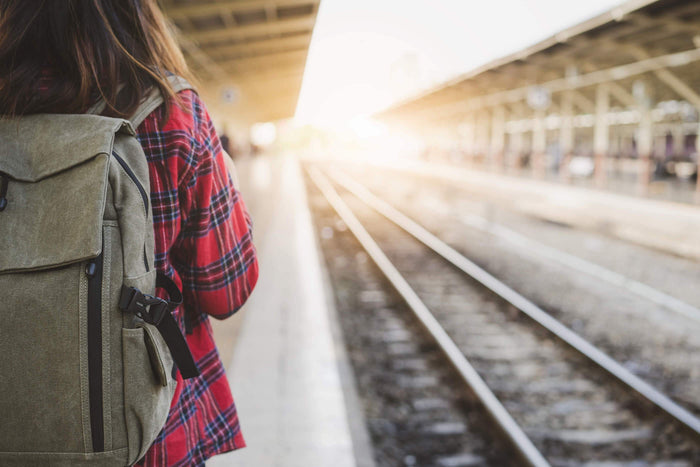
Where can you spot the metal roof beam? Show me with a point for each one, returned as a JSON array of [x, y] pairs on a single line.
[[282, 26], [582, 102], [674, 24], [271, 11], [579, 38], [670, 79], [200, 9], [260, 47], [621, 94], [268, 61], [688, 9], [228, 19], [616, 90], [679, 86], [583, 43], [199, 56], [597, 77], [269, 75]]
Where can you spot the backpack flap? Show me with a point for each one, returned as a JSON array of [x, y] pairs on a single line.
[[54, 171]]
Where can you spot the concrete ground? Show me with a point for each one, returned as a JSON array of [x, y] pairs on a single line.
[[287, 373]]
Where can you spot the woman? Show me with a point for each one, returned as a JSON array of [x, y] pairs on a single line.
[[62, 57]]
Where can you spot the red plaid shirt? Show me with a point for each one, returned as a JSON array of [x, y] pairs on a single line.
[[203, 241]]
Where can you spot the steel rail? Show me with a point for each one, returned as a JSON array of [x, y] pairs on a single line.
[[540, 316], [535, 248], [503, 419]]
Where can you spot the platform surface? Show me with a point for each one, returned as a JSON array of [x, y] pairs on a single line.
[[662, 225], [283, 367]]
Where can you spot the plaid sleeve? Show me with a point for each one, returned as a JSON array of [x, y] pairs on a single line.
[[214, 254]]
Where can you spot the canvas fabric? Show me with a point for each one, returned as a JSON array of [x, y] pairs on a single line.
[[82, 381]]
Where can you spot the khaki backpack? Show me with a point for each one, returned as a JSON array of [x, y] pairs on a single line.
[[87, 354]]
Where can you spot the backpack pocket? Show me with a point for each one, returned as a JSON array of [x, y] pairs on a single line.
[[148, 387], [42, 399]]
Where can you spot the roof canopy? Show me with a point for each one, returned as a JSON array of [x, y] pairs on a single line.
[[657, 42], [251, 52]]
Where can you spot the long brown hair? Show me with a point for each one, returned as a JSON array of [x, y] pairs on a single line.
[[60, 56]]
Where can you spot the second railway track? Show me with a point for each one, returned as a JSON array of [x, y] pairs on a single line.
[[567, 408]]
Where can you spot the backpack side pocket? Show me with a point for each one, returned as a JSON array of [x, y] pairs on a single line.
[[147, 364]]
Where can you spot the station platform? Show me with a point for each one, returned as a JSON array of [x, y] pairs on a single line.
[[283, 351], [662, 225]]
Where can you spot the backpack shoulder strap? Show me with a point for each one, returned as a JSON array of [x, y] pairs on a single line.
[[155, 99], [152, 102]]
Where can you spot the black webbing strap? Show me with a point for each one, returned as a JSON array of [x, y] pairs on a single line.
[[158, 312]]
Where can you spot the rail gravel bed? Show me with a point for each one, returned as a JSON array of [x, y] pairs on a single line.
[[417, 411], [572, 411], [655, 343]]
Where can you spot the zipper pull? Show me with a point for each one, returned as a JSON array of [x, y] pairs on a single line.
[[91, 269]]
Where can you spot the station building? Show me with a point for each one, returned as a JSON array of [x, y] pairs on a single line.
[[617, 96]]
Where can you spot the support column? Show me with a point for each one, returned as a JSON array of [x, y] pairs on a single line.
[[498, 137], [474, 149], [678, 134], [483, 137], [515, 150], [601, 134], [425, 141], [615, 151], [697, 163], [645, 145], [539, 144], [454, 143], [566, 135], [464, 132]]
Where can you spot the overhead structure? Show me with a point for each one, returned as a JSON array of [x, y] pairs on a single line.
[[621, 82], [248, 54]]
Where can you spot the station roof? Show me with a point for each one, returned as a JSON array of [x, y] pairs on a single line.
[[655, 40], [250, 54]]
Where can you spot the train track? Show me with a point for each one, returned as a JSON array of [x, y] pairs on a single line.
[[417, 410], [554, 396]]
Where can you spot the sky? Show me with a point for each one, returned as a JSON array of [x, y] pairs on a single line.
[[366, 54]]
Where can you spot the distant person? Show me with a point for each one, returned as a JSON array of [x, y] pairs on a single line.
[[62, 57], [225, 143]]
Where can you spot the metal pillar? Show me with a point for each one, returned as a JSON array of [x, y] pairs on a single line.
[[566, 135], [464, 138], [539, 144], [697, 163], [454, 144], [515, 150], [601, 133], [645, 134], [474, 149], [498, 137], [483, 137], [615, 154], [645, 145], [678, 135]]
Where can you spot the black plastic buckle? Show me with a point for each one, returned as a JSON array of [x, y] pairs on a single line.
[[147, 307]]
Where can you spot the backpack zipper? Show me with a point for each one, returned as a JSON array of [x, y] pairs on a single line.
[[144, 196], [93, 271], [132, 176], [4, 182]]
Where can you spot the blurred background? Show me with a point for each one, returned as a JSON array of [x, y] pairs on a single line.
[[478, 226]]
